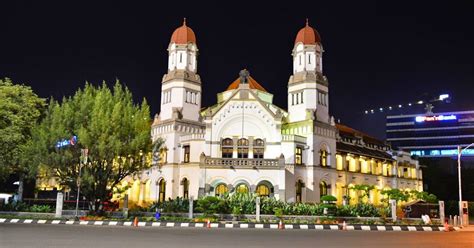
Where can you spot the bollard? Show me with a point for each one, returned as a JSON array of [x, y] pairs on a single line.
[[441, 212], [455, 220], [191, 202], [451, 220], [59, 205], [257, 209]]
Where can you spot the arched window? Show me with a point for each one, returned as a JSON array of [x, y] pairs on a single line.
[[221, 189], [323, 158], [162, 190], [243, 148], [263, 190], [241, 188], [185, 184], [323, 188], [258, 148], [299, 190], [227, 148]]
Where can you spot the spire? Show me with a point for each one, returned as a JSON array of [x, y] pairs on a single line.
[[184, 21], [307, 22]]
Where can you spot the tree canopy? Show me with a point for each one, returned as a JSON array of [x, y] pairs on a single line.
[[20, 109], [105, 121]]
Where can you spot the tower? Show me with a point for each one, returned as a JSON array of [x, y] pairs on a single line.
[[307, 87], [181, 86]]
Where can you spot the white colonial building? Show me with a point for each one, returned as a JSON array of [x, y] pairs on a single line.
[[245, 143]]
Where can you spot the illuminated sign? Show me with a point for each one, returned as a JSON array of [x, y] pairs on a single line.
[[435, 118], [67, 142], [444, 152]]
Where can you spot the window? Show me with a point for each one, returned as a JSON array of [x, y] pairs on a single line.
[[221, 189], [309, 59], [323, 189], [185, 184], [243, 148], [187, 151], [323, 158], [180, 57], [299, 59], [258, 148], [299, 155], [164, 155], [299, 190], [227, 148], [263, 190], [241, 188], [162, 190]]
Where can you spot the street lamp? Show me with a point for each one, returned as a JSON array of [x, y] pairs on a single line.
[[460, 151], [82, 161]]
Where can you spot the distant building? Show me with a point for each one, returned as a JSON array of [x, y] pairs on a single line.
[[432, 134]]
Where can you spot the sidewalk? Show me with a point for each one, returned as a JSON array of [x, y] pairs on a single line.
[[410, 228]]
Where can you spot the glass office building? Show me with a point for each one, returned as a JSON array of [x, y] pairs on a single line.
[[432, 134]]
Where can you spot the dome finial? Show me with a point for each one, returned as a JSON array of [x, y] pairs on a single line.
[[184, 21], [307, 22]]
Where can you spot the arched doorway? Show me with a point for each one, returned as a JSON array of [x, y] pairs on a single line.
[[323, 189], [242, 188], [299, 190], [221, 189], [162, 190], [264, 189], [185, 183]]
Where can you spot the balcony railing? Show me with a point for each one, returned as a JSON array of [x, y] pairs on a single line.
[[243, 163]]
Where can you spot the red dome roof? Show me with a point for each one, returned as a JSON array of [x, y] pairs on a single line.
[[252, 84], [308, 35], [183, 35]]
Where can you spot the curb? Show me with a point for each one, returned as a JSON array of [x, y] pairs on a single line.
[[416, 228]]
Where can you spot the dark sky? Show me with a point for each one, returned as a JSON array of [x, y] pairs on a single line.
[[376, 53]]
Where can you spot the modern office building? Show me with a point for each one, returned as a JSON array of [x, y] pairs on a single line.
[[432, 134]]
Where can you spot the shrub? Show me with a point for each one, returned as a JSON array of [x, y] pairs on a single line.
[[328, 198], [41, 209], [210, 205]]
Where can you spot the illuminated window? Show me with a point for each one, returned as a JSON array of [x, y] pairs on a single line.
[[258, 148], [227, 148], [242, 188], [185, 183], [162, 190], [221, 189], [339, 164], [299, 155], [243, 148], [263, 190], [323, 158], [187, 151], [323, 189]]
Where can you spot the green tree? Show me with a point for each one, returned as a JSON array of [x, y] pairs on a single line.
[[20, 109], [115, 131], [363, 190]]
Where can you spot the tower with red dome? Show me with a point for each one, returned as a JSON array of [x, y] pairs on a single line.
[[308, 87], [181, 85]]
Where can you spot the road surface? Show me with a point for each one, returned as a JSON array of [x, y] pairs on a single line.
[[38, 235]]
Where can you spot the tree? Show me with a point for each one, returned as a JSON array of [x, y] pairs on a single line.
[[363, 190], [20, 109], [115, 131]]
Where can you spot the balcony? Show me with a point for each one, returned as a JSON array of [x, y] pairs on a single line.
[[242, 163]]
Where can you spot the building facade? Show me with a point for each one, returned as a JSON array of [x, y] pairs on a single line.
[[432, 134], [245, 143]]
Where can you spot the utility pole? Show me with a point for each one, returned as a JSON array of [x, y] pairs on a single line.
[[83, 160]]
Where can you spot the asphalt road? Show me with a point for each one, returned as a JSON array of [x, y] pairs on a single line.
[[37, 235]]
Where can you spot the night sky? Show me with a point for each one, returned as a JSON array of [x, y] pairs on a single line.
[[376, 53]]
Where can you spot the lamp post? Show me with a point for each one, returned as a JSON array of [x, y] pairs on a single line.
[[460, 151]]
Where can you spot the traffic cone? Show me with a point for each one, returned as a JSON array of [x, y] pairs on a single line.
[[280, 225], [446, 227], [344, 226], [135, 222], [208, 223]]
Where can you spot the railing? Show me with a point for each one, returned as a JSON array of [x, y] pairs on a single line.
[[194, 136], [292, 137], [243, 162]]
